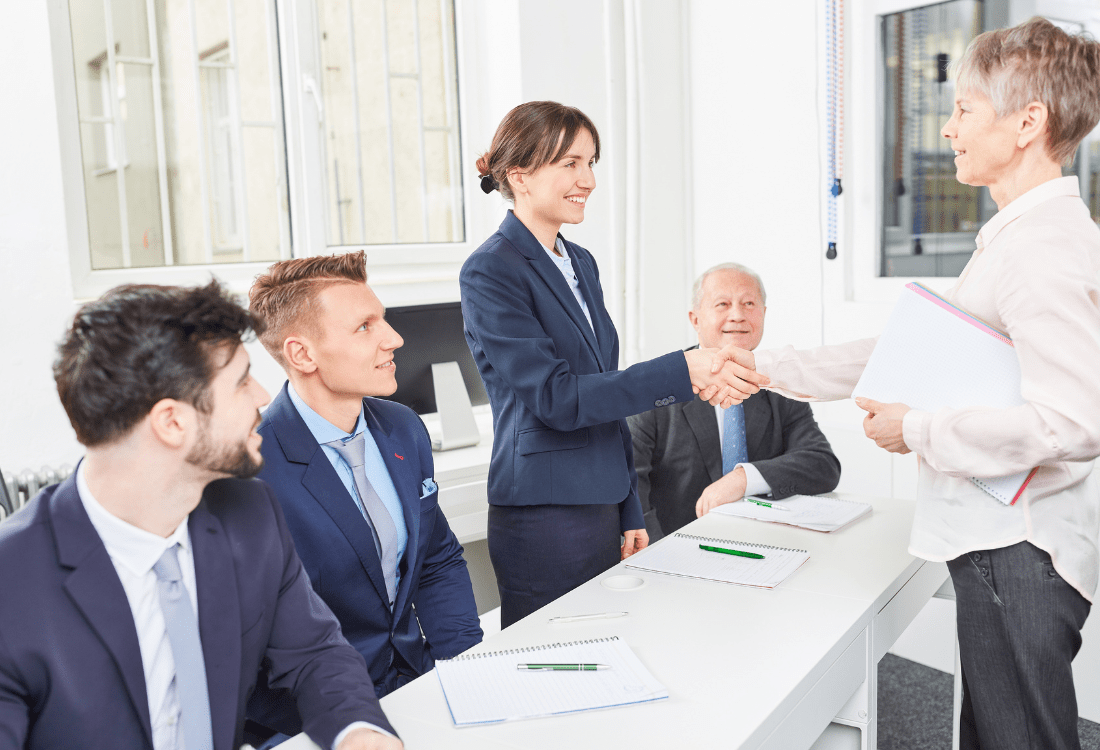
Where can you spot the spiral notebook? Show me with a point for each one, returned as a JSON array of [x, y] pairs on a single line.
[[487, 688], [680, 555], [933, 355], [804, 511]]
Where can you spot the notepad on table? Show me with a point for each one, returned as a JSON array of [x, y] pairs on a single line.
[[680, 555], [487, 687], [805, 511], [934, 355]]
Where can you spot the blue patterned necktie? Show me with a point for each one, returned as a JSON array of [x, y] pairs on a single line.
[[373, 509], [183, 635], [734, 446]]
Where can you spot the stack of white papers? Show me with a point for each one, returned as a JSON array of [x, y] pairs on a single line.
[[805, 511]]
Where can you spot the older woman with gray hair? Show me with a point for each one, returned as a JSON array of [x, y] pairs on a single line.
[[1024, 574]]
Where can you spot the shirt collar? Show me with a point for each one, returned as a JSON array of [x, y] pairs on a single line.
[[559, 260], [1059, 187], [135, 549], [323, 431]]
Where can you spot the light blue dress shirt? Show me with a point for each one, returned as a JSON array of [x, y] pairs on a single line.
[[565, 265], [323, 431]]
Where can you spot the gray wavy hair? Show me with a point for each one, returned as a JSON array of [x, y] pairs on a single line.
[[697, 287]]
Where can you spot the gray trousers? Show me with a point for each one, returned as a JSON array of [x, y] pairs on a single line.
[[1019, 627]]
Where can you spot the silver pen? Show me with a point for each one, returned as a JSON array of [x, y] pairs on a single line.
[[597, 616]]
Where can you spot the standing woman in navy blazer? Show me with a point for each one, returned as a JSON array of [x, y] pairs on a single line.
[[562, 486]]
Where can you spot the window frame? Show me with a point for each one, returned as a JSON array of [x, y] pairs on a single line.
[[858, 279], [405, 272]]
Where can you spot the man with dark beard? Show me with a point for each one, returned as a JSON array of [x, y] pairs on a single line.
[[145, 594]]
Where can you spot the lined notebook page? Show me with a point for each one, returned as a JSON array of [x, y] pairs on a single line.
[[932, 355], [679, 555], [805, 511], [485, 688]]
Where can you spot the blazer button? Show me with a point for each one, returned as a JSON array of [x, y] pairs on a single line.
[[658, 403], [672, 399]]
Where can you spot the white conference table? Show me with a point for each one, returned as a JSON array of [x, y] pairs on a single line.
[[745, 667]]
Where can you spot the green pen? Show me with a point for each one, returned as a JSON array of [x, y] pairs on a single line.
[[773, 506], [562, 667], [739, 553]]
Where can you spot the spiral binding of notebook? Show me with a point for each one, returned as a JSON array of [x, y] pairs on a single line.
[[532, 649], [486, 687], [716, 540], [681, 555]]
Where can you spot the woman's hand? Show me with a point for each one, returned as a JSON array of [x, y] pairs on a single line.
[[883, 424], [634, 540]]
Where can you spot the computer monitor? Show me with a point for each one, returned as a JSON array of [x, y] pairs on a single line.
[[432, 333]]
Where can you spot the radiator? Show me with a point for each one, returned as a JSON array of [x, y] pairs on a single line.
[[23, 486]]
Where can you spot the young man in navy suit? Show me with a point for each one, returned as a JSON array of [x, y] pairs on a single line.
[[143, 595], [354, 473]]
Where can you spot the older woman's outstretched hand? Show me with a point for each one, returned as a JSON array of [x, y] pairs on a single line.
[[883, 424]]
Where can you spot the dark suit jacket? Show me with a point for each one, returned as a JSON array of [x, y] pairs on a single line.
[[70, 667], [677, 453], [559, 400], [337, 548]]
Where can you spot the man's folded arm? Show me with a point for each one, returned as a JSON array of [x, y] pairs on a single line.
[[807, 465], [445, 601]]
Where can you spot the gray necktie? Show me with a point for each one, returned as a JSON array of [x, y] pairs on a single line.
[[373, 509], [183, 635]]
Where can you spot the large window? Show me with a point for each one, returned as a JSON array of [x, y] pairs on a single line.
[[391, 121], [929, 219], [181, 131], [231, 133]]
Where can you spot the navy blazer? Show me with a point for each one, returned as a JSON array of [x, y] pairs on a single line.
[[70, 667], [559, 400], [337, 547]]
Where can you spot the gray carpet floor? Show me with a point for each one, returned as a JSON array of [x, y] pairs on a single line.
[[915, 703]]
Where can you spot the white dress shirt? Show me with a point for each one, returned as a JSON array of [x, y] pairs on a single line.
[[134, 552], [1036, 275], [565, 265], [755, 483]]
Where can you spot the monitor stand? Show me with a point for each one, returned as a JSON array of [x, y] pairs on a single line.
[[456, 414]]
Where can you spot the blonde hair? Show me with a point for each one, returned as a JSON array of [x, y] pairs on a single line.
[[286, 296], [1037, 62]]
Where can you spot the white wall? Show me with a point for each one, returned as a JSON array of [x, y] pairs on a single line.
[[36, 299]]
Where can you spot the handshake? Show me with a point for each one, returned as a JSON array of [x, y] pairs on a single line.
[[723, 376]]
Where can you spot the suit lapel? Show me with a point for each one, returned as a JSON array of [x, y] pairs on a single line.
[[95, 589], [758, 417], [703, 421], [403, 470], [219, 620], [586, 277], [322, 482], [522, 239]]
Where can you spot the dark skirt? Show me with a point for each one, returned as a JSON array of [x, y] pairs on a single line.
[[540, 552]]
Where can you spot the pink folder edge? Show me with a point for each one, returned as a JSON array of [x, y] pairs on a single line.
[[958, 312]]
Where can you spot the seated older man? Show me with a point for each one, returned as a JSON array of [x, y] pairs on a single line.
[[692, 456]]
